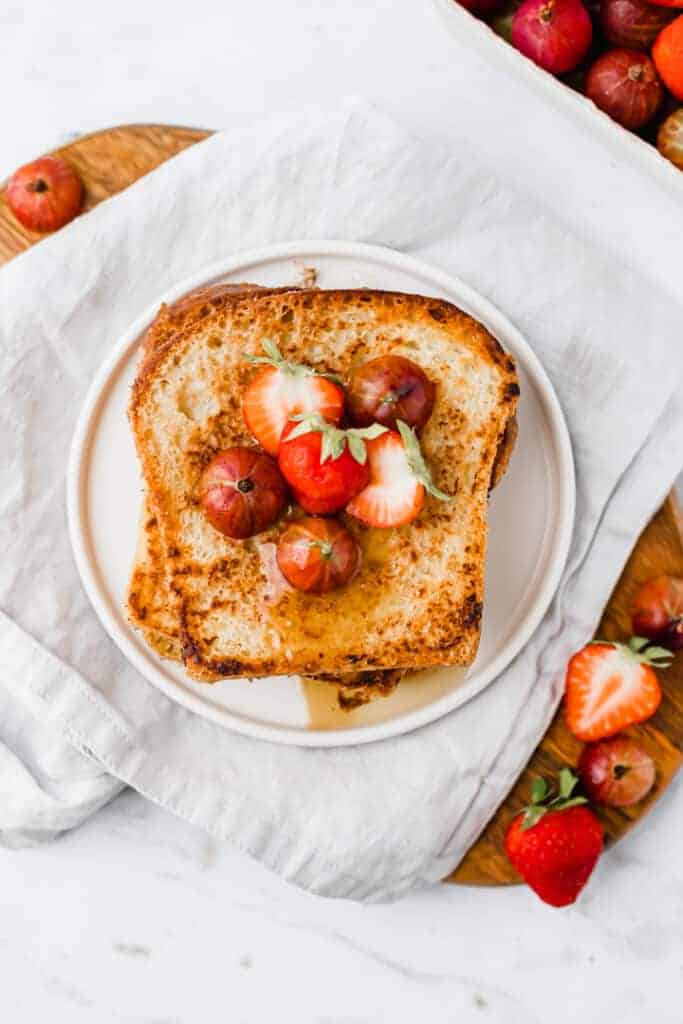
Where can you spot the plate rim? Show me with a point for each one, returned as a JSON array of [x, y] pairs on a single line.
[[291, 735]]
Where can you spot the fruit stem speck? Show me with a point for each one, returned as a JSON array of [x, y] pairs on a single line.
[[323, 546]]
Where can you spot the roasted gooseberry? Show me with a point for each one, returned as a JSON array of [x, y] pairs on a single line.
[[616, 772], [242, 492], [388, 389], [317, 555], [670, 138], [555, 34], [625, 85], [658, 612], [632, 23], [46, 194]]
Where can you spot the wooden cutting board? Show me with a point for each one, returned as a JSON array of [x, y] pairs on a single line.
[[108, 162]]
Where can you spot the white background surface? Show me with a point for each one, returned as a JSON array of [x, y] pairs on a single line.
[[139, 918]]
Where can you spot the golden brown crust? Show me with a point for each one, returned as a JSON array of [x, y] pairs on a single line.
[[506, 446], [173, 322], [437, 621]]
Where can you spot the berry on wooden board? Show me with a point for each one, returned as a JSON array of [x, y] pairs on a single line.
[[45, 194], [555, 842], [658, 609], [610, 686], [616, 772]]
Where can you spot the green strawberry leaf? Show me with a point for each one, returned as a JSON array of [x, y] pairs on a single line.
[[273, 357], [636, 650], [271, 349], [543, 801], [636, 643], [567, 783], [307, 423], [368, 433], [334, 439], [574, 802], [416, 462], [656, 654], [532, 815], [539, 790], [357, 449]]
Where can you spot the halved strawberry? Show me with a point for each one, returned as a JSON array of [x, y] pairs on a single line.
[[399, 478], [283, 389], [610, 686]]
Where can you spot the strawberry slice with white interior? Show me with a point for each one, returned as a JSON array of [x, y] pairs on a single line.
[[610, 686], [283, 389], [399, 478]]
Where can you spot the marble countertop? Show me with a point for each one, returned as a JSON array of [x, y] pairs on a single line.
[[138, 917]]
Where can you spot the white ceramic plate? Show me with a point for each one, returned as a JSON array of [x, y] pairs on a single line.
[[531, 517]]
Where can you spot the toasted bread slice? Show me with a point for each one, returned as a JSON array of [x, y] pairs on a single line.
[[148, 602], [417, 599], [149, 605]]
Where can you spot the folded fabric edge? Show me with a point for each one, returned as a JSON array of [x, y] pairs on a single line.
[[58, 696]]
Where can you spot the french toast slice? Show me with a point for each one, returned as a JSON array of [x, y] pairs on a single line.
[[417, 600], [149, 605]]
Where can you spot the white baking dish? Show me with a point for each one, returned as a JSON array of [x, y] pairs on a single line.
[[625, 145]]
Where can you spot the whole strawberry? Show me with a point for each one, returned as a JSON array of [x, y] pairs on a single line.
[[555, 842], [324, 466]]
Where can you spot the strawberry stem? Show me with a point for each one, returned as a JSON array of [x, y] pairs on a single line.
[[323, 546], [274, 357], [639, 651], [416, 461], [543, 799], [334, 439]]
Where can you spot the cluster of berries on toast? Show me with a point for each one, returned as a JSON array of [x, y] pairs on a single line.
[[331, 447]]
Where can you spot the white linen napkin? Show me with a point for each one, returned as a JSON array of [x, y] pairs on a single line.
[[76, 721]]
